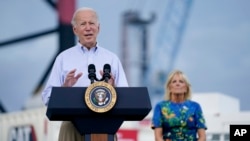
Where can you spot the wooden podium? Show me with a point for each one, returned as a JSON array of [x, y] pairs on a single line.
[[67, 104]]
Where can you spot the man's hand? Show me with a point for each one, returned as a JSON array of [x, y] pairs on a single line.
[[71, 79], [111, 81]]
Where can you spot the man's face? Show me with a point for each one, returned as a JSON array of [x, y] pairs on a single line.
[[86, 28]]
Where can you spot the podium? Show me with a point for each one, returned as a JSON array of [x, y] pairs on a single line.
[[67, 104]]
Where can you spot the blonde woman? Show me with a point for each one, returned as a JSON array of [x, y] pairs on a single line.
[[177, 118]]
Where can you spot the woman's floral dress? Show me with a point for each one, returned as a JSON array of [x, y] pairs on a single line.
[[179, 121]]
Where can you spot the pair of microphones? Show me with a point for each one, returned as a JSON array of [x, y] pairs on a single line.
[[92, 73]]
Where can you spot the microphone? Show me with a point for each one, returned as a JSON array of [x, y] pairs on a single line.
[[92, 75], [106, 72]]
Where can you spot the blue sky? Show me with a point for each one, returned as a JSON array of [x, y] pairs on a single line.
[[214, 52]]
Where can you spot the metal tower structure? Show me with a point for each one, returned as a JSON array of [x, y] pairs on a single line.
[[65, 10], [167, 44], [132, 18]]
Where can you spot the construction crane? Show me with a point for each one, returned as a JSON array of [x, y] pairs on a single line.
[[168, 41], [65, 10], [152, 67]]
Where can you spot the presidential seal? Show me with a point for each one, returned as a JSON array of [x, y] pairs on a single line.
[[100, 97]]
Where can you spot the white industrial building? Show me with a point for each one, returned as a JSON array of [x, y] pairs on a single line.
[[220, 111]]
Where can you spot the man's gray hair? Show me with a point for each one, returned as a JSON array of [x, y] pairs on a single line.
[[73, 21]]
